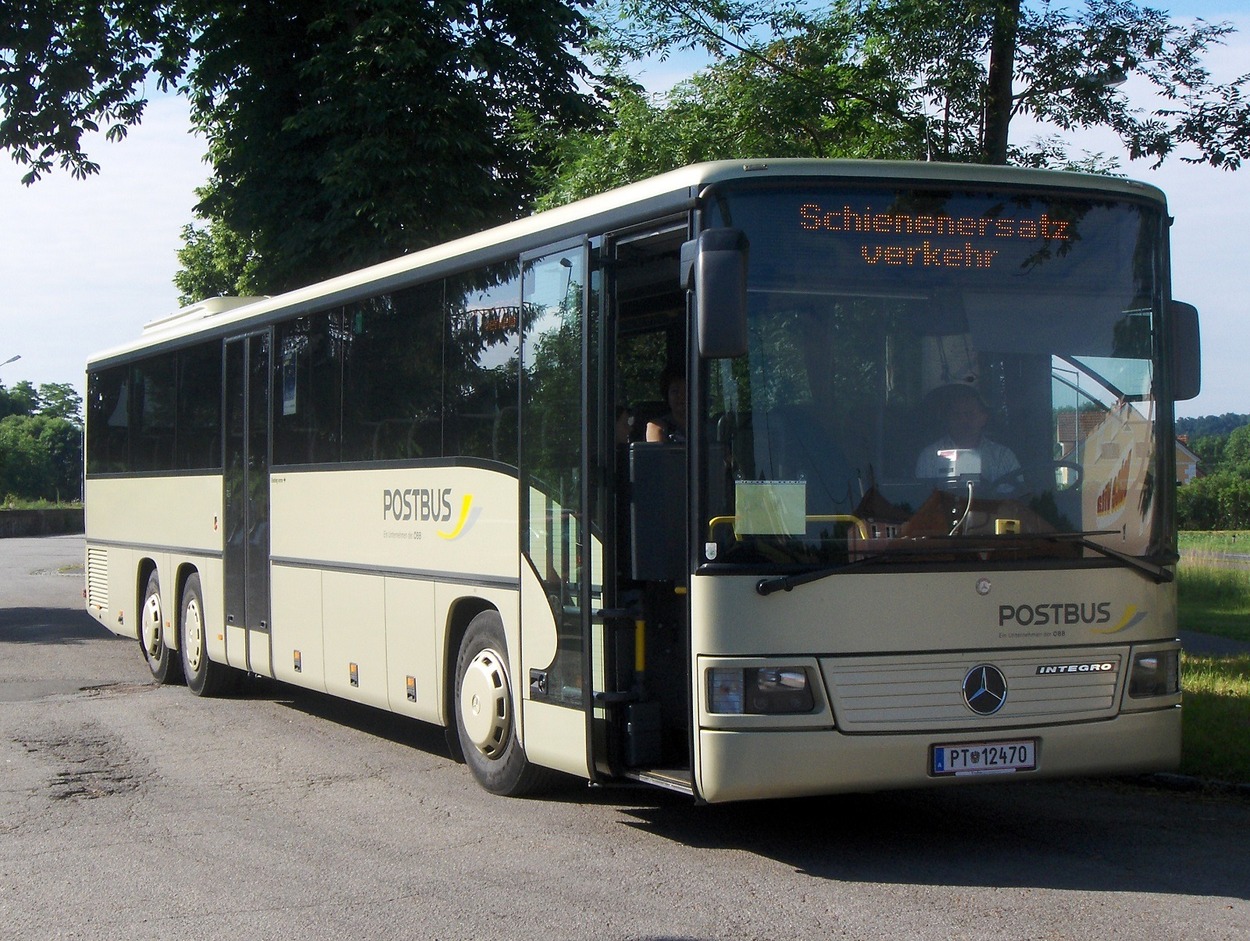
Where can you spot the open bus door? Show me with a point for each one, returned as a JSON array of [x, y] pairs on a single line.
[[640, 636], [596, 336], [562, 554]]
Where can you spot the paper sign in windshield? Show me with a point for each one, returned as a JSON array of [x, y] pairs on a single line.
[[771, 507]]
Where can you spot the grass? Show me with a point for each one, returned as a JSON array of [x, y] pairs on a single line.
[[1216, 542], [1214, 589], [1213, 592], [1216, 718], [14, 503], [1214, 600]]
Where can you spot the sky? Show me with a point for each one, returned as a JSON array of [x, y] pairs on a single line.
[[85, 263]]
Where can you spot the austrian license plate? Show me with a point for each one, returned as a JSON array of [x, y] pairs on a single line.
[[985, 757]]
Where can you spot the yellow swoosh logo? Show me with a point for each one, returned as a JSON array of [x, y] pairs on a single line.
[[1130, 618], [465, 505]]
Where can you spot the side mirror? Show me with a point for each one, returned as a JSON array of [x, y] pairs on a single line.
[[1067, 475], [1186, 352], [714, 266]]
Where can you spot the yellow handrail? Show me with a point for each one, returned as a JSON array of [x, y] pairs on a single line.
[[819, 518]]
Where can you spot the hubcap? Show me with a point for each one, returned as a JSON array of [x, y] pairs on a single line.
[[151, 626], [194, 636], [485, 704]]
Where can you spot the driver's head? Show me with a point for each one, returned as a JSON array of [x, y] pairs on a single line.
[[965, 415]]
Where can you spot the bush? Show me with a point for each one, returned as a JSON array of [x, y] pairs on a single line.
[[1220, 501]]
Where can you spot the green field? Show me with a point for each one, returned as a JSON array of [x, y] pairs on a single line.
[[1216, 718], [1213, 587], [1228, 541]]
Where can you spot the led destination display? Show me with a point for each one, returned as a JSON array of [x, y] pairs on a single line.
[[933, 240]]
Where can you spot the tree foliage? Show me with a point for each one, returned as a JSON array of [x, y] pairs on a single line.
[[339, 133], [757, 105], [1221, 498], [60, 400], [217, 261], [68, 67], [40, 442], [963, 68], [1209, 425], [22, 399]]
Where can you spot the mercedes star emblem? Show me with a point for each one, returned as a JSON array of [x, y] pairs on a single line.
[[985, 689]]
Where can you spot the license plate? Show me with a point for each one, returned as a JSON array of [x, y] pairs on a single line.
[[985, 757]]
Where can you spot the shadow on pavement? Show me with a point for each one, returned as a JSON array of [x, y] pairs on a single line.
[[1110, 835], [49, 626]]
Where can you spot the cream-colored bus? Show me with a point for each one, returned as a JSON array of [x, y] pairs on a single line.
[[907, 517]]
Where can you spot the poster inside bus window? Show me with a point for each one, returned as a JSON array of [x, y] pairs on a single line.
[[771, 507]]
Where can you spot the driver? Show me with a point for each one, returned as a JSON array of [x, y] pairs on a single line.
[[964, 416]]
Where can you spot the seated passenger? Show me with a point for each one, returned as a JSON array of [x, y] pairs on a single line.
[[672, 426]]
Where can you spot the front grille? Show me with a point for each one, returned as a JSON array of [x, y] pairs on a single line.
[[919, 693]]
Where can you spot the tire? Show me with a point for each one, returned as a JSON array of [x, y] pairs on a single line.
[[485, 713], [205, 677], [165, 664]]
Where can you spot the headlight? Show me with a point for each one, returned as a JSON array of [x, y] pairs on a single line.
[[1155, 673], [759, 691]]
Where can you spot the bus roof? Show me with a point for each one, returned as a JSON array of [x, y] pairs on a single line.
[[665, 194]]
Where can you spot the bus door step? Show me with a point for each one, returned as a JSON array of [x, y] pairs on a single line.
[[671, 779]]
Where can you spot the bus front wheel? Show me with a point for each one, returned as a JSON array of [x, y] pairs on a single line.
[[205, 677], [486, 712], [165, 665]]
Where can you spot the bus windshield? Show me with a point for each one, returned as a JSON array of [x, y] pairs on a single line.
[[935, 375]]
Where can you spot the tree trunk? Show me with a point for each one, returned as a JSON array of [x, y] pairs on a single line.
[[998, 83]]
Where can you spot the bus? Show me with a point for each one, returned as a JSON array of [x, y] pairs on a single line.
[[428, 486]]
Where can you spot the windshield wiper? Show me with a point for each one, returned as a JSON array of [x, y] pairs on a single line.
[[768, 586], [1157, 571], [1146, 566]]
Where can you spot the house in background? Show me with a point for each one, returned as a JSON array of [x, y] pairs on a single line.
[[1186, 461]]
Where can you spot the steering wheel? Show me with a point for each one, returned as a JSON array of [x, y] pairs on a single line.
[[1011, 484]]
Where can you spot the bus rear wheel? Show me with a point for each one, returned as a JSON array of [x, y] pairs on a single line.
[[164, 664], [485, 713], [205, 677]]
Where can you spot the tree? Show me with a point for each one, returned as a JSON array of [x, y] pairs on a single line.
[[1221, 498], [1220, 501], [746, 105], [1236, 456], [40, 458], [1211, 425], [967, 68], [22, 399], [1210, 449], [60, 400], [340, 133], [217, 261], [40, 442], [68, 67]]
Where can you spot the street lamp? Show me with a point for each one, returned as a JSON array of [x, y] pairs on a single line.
[[11, 359]]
